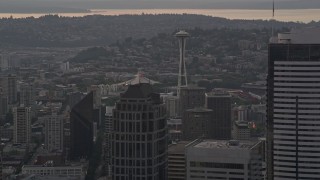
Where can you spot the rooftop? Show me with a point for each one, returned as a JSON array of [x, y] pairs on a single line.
[[225, 144], [193, 87], [218, 94], [299, 36], [242, 124], [178, 147], [199, 109]]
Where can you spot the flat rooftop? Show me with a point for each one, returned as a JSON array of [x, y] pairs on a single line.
[[218, 94], [225, 144], [178, 147], [300, 36]]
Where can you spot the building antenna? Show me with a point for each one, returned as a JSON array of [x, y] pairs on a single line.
[[272, 18]]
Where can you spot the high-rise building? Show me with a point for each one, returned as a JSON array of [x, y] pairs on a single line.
[[197, 123], [191, 97], [108, 136], [220, 104], [81, 128], [9, 87], [293, 102], [1, 163], [27, 94], [139, 140], [22, 125], [53, 132], [4, 62], [66, 138], [3, 107], [220, 159]]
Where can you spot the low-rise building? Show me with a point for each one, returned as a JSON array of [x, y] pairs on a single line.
[[213, 159]]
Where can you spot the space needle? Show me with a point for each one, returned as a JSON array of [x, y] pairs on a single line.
[[182, 78]]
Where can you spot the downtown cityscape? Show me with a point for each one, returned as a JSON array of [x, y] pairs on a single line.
[[167, 96]]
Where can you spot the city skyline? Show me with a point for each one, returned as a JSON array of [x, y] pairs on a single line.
[[159, 96]]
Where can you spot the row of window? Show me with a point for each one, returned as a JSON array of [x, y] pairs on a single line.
[[216, 165]]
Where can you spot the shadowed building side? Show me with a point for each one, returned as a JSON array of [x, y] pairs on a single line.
[[220, 104], [81, 128]]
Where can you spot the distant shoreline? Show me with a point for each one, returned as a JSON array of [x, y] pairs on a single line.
[[285, 15], [59, 11]]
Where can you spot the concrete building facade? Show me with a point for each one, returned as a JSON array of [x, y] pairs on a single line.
[[177, 160], [62, 171], [293, 100], [53, 132], [8, 84], [229, 160], [22, 125], [240, 130]]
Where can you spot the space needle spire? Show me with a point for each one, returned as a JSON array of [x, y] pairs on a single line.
[[182, 78]]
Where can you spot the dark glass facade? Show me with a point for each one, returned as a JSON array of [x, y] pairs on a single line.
[[81, 128], [220, 104]]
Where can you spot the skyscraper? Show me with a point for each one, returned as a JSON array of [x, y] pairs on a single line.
[[27, 94], [1, 164], [22, 125], [53, 132], [9, 87], [3, 107], [108, 136], [220, 104], [293, 102], [139, 144], [81, 128]]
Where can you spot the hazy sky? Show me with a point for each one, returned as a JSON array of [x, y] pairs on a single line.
[[44, 5]]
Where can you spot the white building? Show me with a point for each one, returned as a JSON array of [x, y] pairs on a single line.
[[293, 136], [53, 132], [65, 67], [213, 159], [21, 125]]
